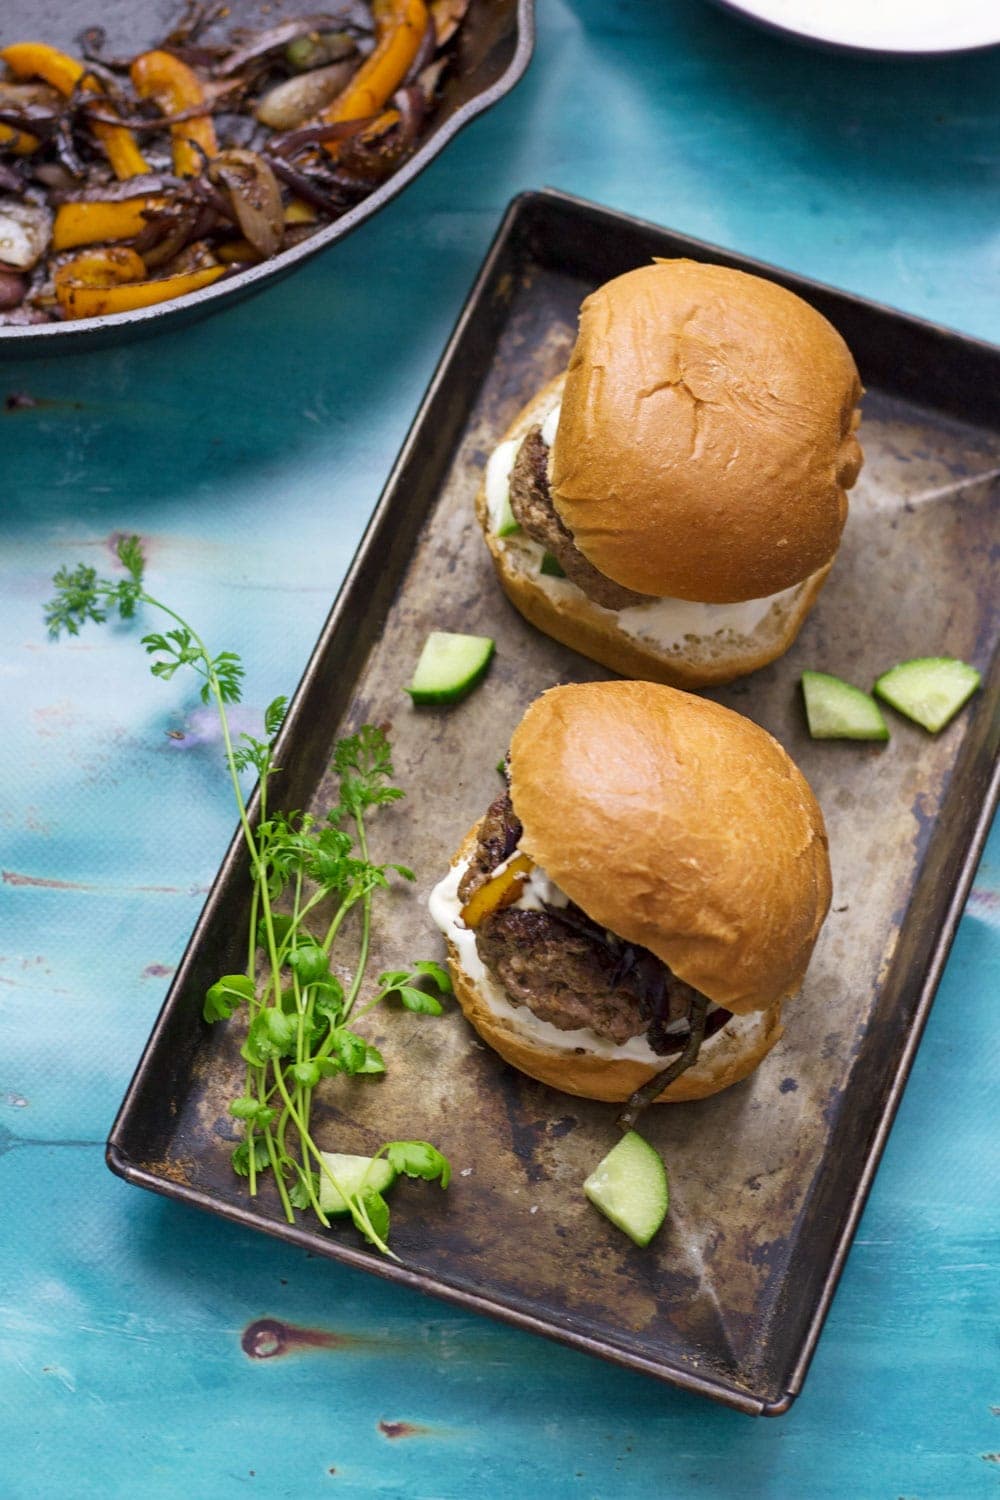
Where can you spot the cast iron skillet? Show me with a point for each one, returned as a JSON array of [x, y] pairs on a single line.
[[496, 40]]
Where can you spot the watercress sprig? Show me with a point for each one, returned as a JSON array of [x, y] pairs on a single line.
[[299, 1014]]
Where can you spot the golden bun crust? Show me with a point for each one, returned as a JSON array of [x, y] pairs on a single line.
[[566, 613], [707, 434], [682, 827], [726, 1057]]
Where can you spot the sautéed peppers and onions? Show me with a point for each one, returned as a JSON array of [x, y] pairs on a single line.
[[130, 181]]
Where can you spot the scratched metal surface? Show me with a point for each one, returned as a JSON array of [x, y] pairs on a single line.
[[763, 1176], [133, 1357]]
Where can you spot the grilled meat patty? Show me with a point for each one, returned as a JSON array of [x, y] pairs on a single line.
[[565, 968], [531, 503]]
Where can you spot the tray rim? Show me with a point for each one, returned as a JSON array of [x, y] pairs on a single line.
[[520, 208]]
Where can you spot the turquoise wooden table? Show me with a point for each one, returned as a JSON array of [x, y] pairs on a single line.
[[248, 452]]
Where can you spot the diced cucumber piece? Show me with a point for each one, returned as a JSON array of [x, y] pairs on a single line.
[[630, 1188], [352, 1173], [929, 690], [498, 471], [449, 666], [506, 522], [551, 566], [837, 711]]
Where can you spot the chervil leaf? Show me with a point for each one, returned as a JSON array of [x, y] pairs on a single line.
[[309, 962], [252, 752], [378, 1214], [241, 1157], [419, 1159], [130, 556], [274, 716], [364, 764], [416, 1000], [355, 1054], [226, 995], [435, 972], [249, 1109], [271, 1034], [299, 1191]]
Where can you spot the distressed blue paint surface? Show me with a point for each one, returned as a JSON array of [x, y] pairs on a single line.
[[248, 451]]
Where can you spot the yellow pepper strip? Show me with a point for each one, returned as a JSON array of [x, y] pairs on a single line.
[[36, 60], [236, 252], [399, 28], [97, 302], [18, 141], [497, 893], [172, 85], [298, 212], [107, 266], [95, 223]]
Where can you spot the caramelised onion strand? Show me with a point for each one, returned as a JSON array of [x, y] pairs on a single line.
[[294, 141], [653, 1087], [425, 52], [274, 38], [410, 104], [305, 188], [143, 122], [35, 122]]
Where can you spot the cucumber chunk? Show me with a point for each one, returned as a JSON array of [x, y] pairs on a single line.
[[550, 566], [505, 522], [837, 711], [449, 666], [630, 1188], [352, 1172], [498, 471], [929, 690]]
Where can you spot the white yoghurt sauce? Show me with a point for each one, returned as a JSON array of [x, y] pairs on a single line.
[[667, 623], [445, 908]]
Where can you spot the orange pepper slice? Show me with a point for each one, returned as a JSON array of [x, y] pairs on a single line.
[[108, 266], [18, 141], [94, 223], [399, 28], [502, 890], [96, 301], [36, 60], [236, 253], [172, 85]]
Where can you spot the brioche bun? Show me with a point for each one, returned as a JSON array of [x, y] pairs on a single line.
[[685, 829], [561, 610], [706, 439]]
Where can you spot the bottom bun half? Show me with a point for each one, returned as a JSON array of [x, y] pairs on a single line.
[[725, 1058]]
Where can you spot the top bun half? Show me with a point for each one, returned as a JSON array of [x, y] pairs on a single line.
[[706, 438], [680, 826]]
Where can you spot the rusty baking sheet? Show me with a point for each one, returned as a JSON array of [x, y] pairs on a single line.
[[769, 1178]]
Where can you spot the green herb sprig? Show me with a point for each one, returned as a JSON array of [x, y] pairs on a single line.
[[300, 1016]]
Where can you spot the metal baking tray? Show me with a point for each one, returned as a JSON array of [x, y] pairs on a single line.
[[770, 1177], [493, 50]]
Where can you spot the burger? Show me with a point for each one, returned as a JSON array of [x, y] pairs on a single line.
[[670, 506], [628, 917]]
